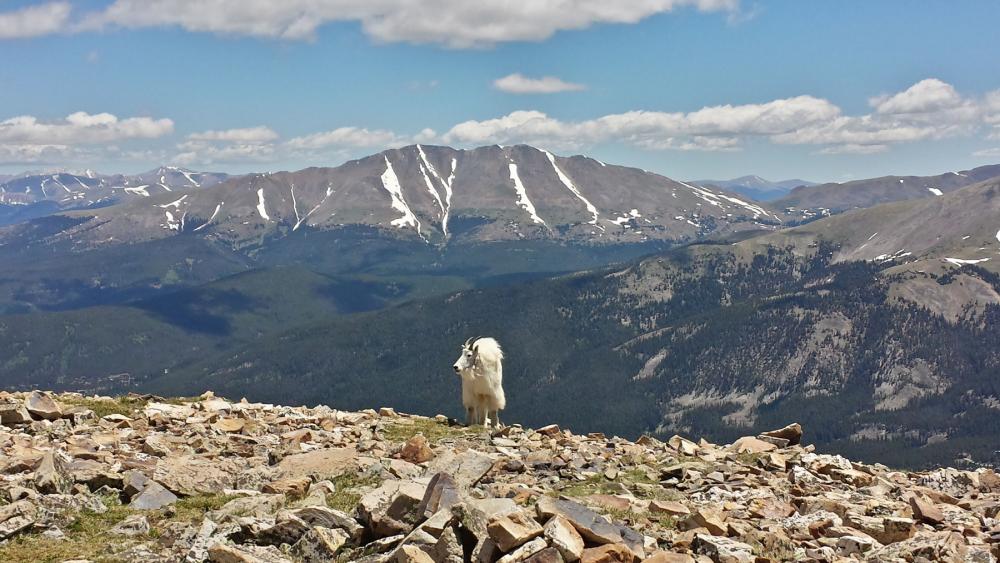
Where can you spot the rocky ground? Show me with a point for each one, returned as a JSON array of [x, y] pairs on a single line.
[[207, 479]]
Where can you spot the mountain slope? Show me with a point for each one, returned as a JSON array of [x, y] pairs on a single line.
[[808, 202], [705, 340], [412, 214], [755, 187]]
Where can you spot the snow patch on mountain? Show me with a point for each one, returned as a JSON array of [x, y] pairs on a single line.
[[571, 187], [261, 209], [522, 195], [391, 184]]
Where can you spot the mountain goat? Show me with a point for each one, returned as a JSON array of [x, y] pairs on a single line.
[[481, 368]]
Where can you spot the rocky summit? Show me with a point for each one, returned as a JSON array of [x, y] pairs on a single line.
[[142, 478]]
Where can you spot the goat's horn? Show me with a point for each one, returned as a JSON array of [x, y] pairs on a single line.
[[475, 340], [468, 342]]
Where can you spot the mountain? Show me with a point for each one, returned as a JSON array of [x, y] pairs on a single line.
[[877, 327], [887, 357], [36, 194], [809, 202], [423, 216], [438, 195], [755, 187], [713, 339]]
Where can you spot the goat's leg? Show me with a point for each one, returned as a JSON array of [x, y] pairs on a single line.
[[471, 416], [496, 420]]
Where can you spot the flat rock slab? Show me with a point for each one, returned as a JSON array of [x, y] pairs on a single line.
[[466, 468], [322, 464], [192, 475]]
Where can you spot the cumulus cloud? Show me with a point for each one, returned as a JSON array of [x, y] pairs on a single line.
[[262, 144], [993, 152], [25, 138], [928, 95], [33, 21], [244, 135], [453, 23], [710, 128], [929, 109], [81, 128], [517, 83], [354, 137]]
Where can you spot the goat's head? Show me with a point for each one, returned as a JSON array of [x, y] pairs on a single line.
[[470, 353]]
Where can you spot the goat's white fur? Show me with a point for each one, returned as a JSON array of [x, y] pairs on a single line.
[[481, 369]]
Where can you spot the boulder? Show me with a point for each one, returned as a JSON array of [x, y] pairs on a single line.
[[668, 557], [153, 496], [751, 445], [416, 450], [547, 555], [42, 406], [191, 475], [466, 468], [321, 464], [50, 477], [925, 511], [563, 536], [294, 487], [711, 520], [513, 530], [223, 553], [320, 544], [792, 433], [330, 518], [14, 413], [609, 553], [16, 517], [134, 525], [723, 550]]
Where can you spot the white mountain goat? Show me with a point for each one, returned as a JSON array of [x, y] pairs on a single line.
[[481, 369]]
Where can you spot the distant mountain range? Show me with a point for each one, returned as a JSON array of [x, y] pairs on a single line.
[[756, 187], [36, 194], [808, 202], [438, 195]]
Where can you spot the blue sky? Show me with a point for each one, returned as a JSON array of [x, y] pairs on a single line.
[[821, 91]]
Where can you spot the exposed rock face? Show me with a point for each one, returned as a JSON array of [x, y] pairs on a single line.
[[312, 485]]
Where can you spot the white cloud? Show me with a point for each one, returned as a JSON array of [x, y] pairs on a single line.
[[993, 152], [928, 95], [453, 23], [354, 137], [34, 154], [199, 152], [34, 21], [710, 128], [519, 84], [27, 139], [245, 135], [851, 148], [81, 128]]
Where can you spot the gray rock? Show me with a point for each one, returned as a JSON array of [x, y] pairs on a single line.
[[14, 413], [330, 518], [16, 517], [320, 544], [723, 549], [153, 497], [50, 477], [135, 525]]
